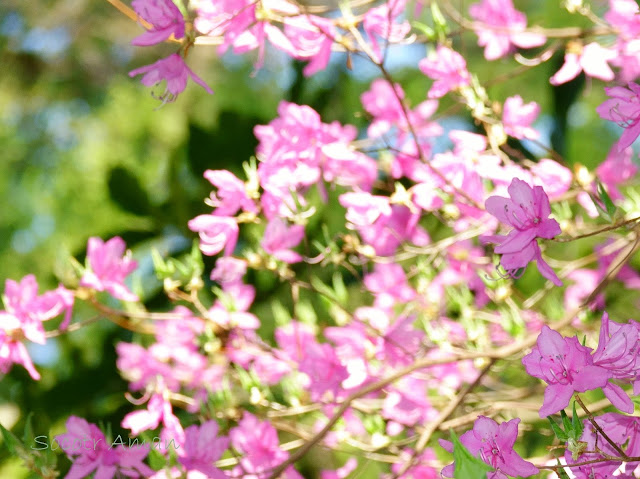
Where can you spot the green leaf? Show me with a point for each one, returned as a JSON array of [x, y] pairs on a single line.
[[567, 423], [340, 290], [28, 436], [127, 192], [606, 200], [577, 423], [560, 434], [12, 443], [466, 465], [323, 289]]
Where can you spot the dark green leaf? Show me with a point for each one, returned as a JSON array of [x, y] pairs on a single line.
[[125, 190], [12, 443], [560, 434]]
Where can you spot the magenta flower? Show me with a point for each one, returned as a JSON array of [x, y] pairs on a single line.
[[623, 108], [592, 59], [165, 19], [107, 268], [527, 210], [174, 70], [566, 366], [90, 451], [279, 238], [259, 444], [501, 27], [202, 447], [618, 353], [231, 196], [217, 233], [448, 69], [12, 350], [311, 37], [25, 310], [517, 118], [380, 21], [493, 442]]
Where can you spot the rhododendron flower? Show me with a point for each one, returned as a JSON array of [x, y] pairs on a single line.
[[528, 212], [552, 176], [165, 19], [448, 69], [258, 443], [494, 443], [174, 70], [108, 268], [158, 410], [618, 353], [202, 447], [623, 108], [217, 233], [517, 118], [388, 283], [229, 270], [500, 27], [25, 310], [231, 196], [311, 38], [380, 21], [90, 451], [592, 59], [566, 366], [13, 351], [279, 238]]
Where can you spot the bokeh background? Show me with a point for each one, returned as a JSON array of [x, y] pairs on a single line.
[[85, 151]]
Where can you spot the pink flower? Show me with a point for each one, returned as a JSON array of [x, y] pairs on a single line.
[[231, 196], [501, 27], [494, 443], [363, 209], [448, 69], [259, 444], [324, 369], [86, 444], [618, 353], [555, 178], [388, 283], [420, 470], [518, 117], [616, 169], [380, 21], [13, 351], [229, 270], [528, 212], [158, 410], [623, 108], [174, 70], [311, 38], [566, 366], [217, 233], [592, 59], [202, 447], [165, 19], [25, 310], [279, 238], [108, 268]]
